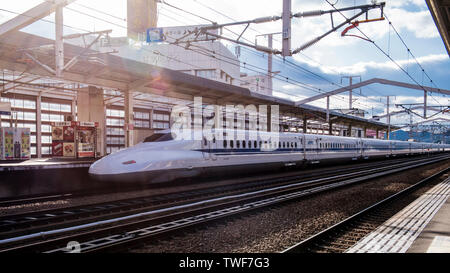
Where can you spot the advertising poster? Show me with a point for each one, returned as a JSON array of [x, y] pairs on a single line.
[[86, 142], [68, 134], [9, 143], [57, 148], [25, 149], [68, 149], [57, 133], [15, 143]]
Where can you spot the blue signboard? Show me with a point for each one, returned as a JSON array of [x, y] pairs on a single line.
[[154, 35], [5, 113]]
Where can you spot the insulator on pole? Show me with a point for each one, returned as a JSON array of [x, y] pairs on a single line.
[[305, 46], [309, 13], [266, 19]]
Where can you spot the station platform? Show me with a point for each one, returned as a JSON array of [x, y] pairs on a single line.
[[422, 227], [45, 176], [45, 163]]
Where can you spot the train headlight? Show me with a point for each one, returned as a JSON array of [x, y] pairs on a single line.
[[128, 162]]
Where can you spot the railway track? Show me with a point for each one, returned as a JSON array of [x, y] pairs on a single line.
[[345, 234], [19, 224], [124, 227], [31, 199], [25, 223]]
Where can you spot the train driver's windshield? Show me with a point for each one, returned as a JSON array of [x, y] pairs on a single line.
[[158, 137]]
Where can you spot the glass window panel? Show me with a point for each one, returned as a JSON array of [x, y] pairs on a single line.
[[30, 116], [17, 103], [45, 117], [55, 107], [46, 139], [45, 106], [56, 117], [46, 128], [66, 108], [33, 150], [46, 150], [29, 104], [33, 139]]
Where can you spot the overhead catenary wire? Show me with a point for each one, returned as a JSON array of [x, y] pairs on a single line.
[[279, 77], [203, 18], [381, 50], [283, 59]]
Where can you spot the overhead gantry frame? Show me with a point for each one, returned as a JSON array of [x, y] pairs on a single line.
[[379, 81]]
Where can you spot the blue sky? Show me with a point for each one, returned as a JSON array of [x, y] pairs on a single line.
[[333, 57]]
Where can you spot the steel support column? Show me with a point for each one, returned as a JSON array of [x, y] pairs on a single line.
[[38, 127], [59, 44], [128, 105]]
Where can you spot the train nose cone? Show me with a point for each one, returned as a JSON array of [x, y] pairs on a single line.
[[122, 161]]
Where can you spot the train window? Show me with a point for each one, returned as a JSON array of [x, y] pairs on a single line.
[[214, 140], [255, 144], [205, 142], [260, 144], [238, 144], [159, 137], [231, 144], [249, 144], [243, 143], [295, 144], [225, 143]]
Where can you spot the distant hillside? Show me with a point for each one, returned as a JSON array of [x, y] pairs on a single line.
[[418, 136]]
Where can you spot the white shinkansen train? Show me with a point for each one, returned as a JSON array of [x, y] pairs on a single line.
[[161, 158]]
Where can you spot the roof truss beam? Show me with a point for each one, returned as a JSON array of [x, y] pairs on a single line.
[[373, 81], [32, 15]]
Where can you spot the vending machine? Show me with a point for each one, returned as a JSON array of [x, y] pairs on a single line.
[[15, 143]]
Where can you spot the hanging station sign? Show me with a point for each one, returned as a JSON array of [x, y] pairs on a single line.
[[184, 33], [5, 108]]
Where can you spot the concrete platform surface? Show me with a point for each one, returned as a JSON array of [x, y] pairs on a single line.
[[423, 226], [45, 163], [435, 237]]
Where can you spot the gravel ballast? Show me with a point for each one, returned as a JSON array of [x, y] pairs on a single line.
[[275, 229]]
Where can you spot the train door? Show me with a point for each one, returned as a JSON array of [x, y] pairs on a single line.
[[208, 148], [212, 146], [361, 148], [318, 147], [303, 143]]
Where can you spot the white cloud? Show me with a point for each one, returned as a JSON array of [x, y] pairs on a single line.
[[362, 67]]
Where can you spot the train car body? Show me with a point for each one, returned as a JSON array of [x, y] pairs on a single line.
[[161, 158]]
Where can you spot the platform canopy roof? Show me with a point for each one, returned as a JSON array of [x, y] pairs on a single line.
[[440, 10], [114, 72]]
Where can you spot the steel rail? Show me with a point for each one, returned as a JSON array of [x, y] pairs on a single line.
[[15, 225], [198, 212], [319, 240]]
